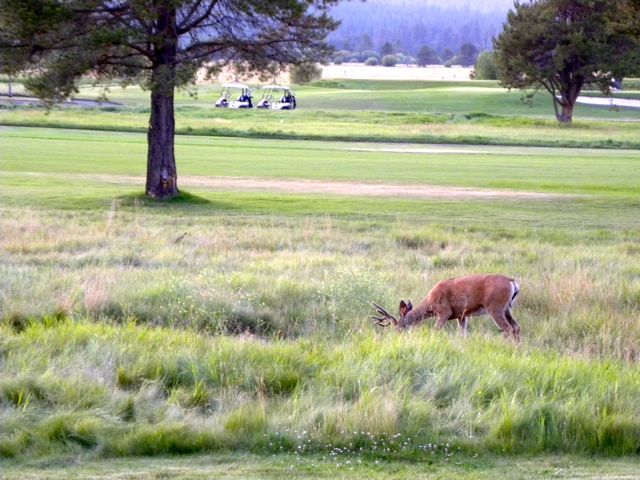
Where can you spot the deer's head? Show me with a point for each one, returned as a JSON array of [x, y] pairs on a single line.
[[407, 316], [387, 319]]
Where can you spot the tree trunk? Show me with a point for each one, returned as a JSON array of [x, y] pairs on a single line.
[[568, 99], [162, 179], [566, 116]]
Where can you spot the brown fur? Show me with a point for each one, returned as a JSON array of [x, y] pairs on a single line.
[[464, 297]]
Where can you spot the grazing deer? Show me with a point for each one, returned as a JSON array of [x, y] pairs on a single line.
[[461, 298]]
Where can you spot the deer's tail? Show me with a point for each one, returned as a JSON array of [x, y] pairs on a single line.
[[515, 290]]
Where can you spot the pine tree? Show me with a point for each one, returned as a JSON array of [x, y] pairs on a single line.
[[563, 45], [159, 44]]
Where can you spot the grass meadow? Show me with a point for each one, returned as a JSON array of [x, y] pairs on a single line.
[[231, 324]]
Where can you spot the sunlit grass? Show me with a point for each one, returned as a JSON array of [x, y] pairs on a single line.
[[231, 271], [130, 390]]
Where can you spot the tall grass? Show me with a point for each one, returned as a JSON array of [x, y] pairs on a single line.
[[115, 340], [280, 277], [140, 390]]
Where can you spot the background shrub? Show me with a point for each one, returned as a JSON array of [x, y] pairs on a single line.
[[389, 61], [305, 73], [486, 66]]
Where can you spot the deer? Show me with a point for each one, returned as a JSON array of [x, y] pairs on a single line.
[[458, 299]]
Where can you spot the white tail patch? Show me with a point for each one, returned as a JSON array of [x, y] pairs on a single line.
[[515, 289]]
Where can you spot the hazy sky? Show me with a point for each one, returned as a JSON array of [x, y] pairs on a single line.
[[475, 5]]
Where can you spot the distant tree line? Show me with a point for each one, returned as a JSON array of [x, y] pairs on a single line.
[[389, 56], [410, 25]]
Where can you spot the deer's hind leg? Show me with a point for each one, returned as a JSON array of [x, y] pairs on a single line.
[[499, 316], [514, 324]]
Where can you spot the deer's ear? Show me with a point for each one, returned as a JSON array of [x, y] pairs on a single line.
[[403, 308], [409, 306]]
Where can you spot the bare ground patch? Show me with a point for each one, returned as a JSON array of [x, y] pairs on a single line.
[[356, 189], [326, 187]]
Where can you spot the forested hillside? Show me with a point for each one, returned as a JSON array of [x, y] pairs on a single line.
[[410, 24]]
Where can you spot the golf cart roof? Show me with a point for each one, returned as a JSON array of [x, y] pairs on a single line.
[[276, 87], [234, 85]]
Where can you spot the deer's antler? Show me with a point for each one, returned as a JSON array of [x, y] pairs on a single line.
[[386, 319]]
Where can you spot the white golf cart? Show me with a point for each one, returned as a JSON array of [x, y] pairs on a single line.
[[277, 97], [243, 100]]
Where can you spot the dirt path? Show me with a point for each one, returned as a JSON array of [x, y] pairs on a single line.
[[356, 189], [326, 187], [20, 99], [430, 149]]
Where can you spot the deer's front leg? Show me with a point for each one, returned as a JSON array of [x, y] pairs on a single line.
[[440, 323], [463, 322], [443, 317], [443, 314]]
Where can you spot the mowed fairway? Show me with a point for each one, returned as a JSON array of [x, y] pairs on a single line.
[[356, 110], [579, 171], [231, 323]]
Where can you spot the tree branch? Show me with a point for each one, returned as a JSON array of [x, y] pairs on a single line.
[[186, 25]]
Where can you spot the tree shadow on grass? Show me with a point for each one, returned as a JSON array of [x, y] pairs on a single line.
[[182, 200]]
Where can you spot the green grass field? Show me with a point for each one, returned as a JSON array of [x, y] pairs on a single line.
[[421, 112], [579, 171], [232, 322], [242, 466]]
